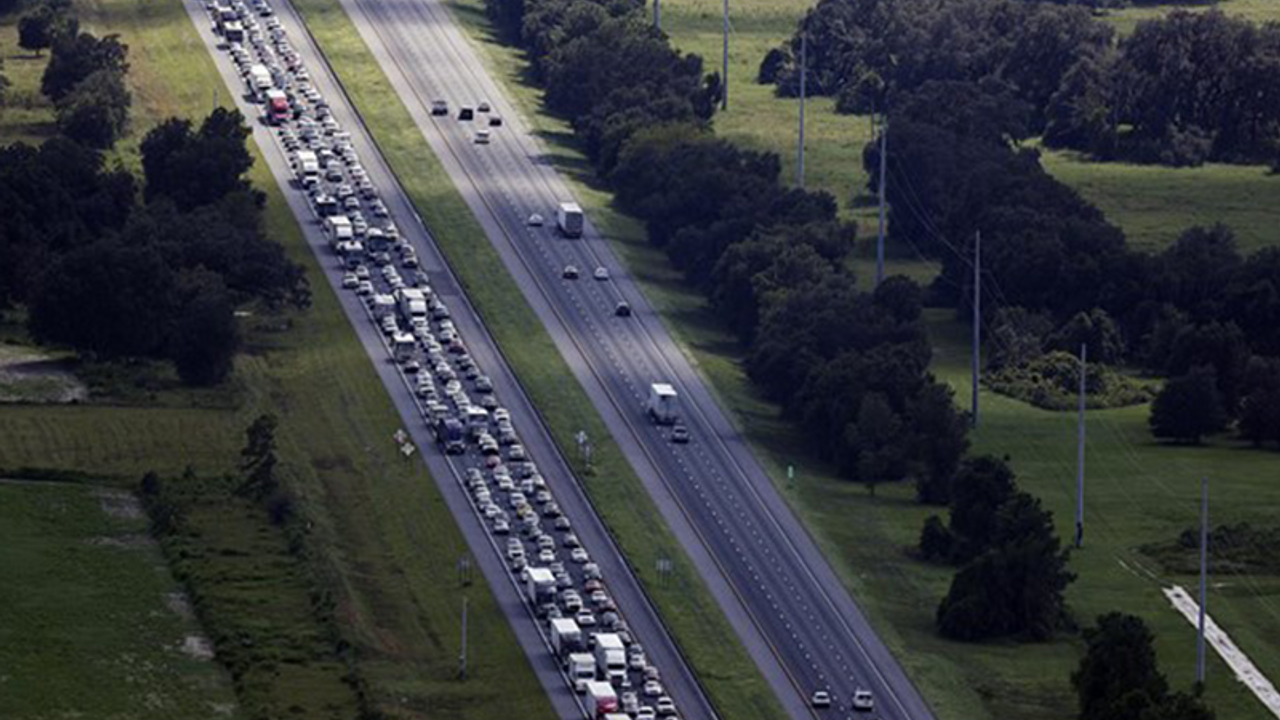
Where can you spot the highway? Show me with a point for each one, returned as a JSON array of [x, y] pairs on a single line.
[[447, 471], [795, 617]]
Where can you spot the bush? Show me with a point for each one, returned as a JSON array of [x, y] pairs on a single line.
[[1052, 382]]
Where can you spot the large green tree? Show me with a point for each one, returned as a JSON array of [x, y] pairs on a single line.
[[192, 168], [1188, 408], [96, 110], [76, 57]]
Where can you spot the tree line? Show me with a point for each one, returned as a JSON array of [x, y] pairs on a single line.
[[113, 276], [85, 77], [1181, 90]]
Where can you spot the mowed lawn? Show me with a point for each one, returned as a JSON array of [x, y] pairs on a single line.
[[379, 521], [93, 621], [1144, 493]]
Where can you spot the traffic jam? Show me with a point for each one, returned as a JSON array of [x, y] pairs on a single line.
[[578, 619]]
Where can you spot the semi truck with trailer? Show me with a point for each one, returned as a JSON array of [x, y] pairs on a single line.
[[569, 219]]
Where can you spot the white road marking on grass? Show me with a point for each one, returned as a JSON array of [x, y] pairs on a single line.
[[1246, 672]]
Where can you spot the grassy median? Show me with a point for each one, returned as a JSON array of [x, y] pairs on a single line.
[[392, 543], [697, 623], [1145, 493]]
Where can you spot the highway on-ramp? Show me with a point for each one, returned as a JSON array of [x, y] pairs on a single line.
[[625, 589], [787, 604]]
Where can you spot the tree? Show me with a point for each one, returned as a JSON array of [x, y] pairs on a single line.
[[1188, 408], [1119, 660], [35, 30], [202, 337], [1095, 329], [936, 541], [196, 168], [1015, 589], [982, 486], [107, 299], [1260, 406], [76, 57], [96, 110], [258, 458]]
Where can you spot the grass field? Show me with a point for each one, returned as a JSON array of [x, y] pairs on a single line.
[[1143, 492], [94, 625], [380, 521], [686, 606], [26, 114]]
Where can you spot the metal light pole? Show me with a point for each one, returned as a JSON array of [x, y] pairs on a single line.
[[804, 76], [657, 15], [462, 669], [1084, 360], [977, 319], [884, 161], [1204, 572], [724, 84]]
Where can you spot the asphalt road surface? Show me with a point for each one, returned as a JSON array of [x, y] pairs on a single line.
[[795, 617], [635, 607]]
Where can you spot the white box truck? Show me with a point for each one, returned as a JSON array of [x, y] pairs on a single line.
[[602, 699], [260, 81], [566, 636], [569, 219], [338, 228], [611, 657], [661, 404], [539, 586], [403, 345], [413, 303], [306, 166], [581, 668]]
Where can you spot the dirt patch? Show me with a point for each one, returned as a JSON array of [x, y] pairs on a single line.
[[30, 376], [120, 504], [130, 541], [197, 646]]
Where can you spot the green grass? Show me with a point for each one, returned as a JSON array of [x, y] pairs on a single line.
[[1144, 492], [1256, 10], [684, 602], [1155, 204], [93, 623], [379, 521], [254, 596]]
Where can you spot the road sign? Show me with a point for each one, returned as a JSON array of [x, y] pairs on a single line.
[[581, 438], [401, 436], [407, 449]]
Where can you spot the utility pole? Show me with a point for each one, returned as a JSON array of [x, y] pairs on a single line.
[[724, 83], [977, 319], [462, 669], [1204, 572], [1084, 360], [657, 15], [884, 161], [804, 76]]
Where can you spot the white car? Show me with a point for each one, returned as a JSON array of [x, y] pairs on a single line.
[[601, 273], [535, 220], [652, 688], [862, 700], [666, 706], [350, 281], [585, 619], [821, 699], [579, 556]]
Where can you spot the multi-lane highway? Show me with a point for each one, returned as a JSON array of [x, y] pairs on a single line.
[[795, 617], [634, 606]]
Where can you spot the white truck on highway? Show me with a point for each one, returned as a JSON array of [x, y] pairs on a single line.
[[581, 668], [661, 404], [306, 166], [260, 81], [338, 229], [413, 303], [569, 219], [566, 636], [540, 587], [611, 657], [602, 699]]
